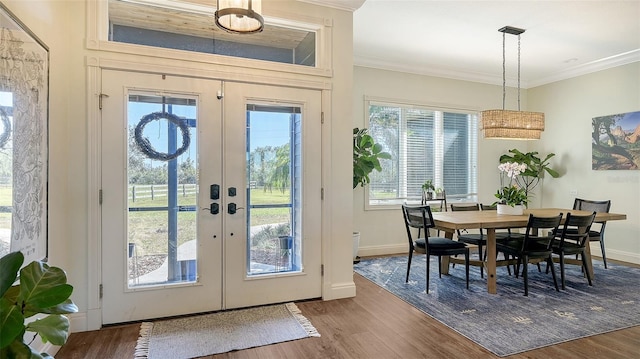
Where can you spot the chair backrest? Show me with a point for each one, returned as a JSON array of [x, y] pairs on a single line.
[[541, 230], [419, 217], [581, 226], [465, 207], [595, 206], [589, 205], [488, 207]]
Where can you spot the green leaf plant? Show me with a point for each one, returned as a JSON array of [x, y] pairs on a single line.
[[39, 289], [366, 156], [536, 168]]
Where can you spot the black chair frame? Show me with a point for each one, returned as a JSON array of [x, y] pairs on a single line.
[[421, 218]]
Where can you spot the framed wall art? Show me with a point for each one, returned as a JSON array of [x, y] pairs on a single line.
[[615, 142], [24, 112]]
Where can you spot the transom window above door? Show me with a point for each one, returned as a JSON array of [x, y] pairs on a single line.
[[189, 25]]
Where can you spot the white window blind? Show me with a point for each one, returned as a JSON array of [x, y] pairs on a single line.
[[424, 144]]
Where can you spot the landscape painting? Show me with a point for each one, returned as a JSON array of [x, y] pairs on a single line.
[[615, 142]]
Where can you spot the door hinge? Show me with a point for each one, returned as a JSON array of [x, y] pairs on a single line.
[[321, 117], [100, 196], [100, 100], [322, 269], [100, 291], [322, 194]]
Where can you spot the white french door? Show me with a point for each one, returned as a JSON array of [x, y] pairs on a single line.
[[272, 247], [209, 202]]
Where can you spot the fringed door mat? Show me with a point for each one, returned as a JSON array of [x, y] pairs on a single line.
[[221, 332], [508, 322]]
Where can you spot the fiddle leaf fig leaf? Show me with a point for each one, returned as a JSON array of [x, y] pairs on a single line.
[[11, 322], [9, 267], [43, 286], [53, 328]]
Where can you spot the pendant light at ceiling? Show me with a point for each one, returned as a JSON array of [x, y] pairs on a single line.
[[506, 124]]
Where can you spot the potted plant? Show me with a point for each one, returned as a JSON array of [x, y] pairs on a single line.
[[428, 188], [39, 289], [534, 169], [366, 158], [511, 194]]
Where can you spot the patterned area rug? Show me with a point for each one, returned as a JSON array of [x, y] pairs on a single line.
[[508, 322], [221, 332]]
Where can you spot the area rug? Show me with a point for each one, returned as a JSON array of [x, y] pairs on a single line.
[[221, 332], [508, 323]]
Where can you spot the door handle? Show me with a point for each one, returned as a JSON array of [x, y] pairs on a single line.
[[232, 208], [214, 208]]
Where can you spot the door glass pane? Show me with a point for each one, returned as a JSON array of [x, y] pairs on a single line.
[[273, 189], [162, 198]]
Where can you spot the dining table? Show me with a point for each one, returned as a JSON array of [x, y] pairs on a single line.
[[489, 221]]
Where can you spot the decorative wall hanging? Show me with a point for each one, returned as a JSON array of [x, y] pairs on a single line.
[[145, 145], [615, 142], [24, 105]]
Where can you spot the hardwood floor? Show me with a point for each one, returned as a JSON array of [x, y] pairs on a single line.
[[374, 324]]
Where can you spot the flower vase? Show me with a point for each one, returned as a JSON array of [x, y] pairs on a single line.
[[517, 210]]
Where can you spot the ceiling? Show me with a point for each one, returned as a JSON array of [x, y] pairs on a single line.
[[460, 39]]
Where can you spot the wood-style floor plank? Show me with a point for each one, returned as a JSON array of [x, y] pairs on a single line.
[[374, 324]]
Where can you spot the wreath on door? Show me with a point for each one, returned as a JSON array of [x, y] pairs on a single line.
[[145, 145]]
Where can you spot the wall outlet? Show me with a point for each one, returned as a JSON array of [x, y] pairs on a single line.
[[573, 192]]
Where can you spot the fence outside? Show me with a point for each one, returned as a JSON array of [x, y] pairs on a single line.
[[159, 190]]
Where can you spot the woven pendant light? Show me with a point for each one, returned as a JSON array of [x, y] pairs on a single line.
[[508, 124]]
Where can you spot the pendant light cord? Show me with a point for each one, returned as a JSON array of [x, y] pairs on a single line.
[[504, 72], [518, 72]]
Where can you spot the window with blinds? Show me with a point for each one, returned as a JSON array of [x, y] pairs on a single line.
[[425, 144]]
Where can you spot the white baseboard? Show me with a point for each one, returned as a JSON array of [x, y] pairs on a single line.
[[618, 255], [386, 249], [340, 290]]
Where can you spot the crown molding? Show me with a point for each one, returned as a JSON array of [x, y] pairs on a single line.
[[584, 69], [590, 67], [349, 5]]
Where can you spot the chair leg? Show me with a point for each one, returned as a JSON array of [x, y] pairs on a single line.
[[409, 266], [466, 264], [584, 267], [561, 269], [604, 256], [428, 257], [480, 257], [553, 273], [525, 275], [439, 266]]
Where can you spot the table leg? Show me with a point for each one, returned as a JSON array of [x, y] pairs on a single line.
[[587, 254], [491, 260], [444, 265]]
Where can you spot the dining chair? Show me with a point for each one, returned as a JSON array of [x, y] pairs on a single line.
[[595, 234], [478, 239], [420, 217], [534, 246], [572, 239]]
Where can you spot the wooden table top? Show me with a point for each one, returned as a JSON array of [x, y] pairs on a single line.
[[491, 219]]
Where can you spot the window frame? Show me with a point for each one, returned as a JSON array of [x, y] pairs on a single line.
[[439, 110]]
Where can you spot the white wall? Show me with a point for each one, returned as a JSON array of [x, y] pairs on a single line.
[[72, 245], [569, 106]]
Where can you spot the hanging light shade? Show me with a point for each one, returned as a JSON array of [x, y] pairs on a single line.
[[507, 124], [240, 16]]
